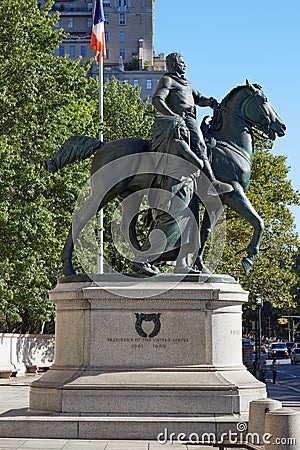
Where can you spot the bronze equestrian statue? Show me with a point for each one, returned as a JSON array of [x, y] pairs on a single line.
[[133, 164]]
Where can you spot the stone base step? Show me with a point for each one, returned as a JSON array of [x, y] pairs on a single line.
[[164, 429]]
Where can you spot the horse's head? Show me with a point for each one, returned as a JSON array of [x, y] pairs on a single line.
[[249, 104], [260, 113]]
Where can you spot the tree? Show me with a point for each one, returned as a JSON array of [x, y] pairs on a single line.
[[132, 64], [44, 100], [296, 288], [126, 115], [272, 276]]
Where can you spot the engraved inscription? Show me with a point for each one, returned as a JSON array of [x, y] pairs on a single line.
[[141, 343]]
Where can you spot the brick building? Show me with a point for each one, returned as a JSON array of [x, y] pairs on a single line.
[[129, 31]]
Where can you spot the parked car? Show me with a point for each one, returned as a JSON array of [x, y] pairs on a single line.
[[278, 350], [263, 348], [295, 355]]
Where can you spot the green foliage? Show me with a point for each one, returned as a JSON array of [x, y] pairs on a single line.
[[132, 64], [272, 276], [296, 287], [147, 65], [43, 101], [126, 115]]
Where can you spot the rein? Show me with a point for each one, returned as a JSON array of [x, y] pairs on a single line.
[[244, 119], [236, 115]]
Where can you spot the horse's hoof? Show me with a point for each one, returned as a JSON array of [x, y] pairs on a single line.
[[155, 268], [198, 263], [201, 267], [219, 188], [143, 268], [186, 270], [247, 264]]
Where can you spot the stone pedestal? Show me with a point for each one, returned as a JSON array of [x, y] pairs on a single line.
[[257, 415], [163, 348], [283, 429]]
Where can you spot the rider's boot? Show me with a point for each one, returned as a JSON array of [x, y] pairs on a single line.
[[144, 268], [216, 187]]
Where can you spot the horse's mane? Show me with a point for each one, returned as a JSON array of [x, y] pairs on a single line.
[[217, 119], [235, 90], [231, 93]]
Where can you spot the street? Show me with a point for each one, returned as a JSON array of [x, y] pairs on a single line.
[[287, 389]]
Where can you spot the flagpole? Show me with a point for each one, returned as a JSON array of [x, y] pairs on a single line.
[[100, 216], [98, 44]]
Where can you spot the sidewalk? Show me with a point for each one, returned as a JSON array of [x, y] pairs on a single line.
[[14, 393], [60, 444]]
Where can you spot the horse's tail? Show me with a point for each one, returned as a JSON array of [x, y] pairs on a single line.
[[76, 148]]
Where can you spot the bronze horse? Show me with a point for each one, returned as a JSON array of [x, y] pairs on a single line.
[[244, 108]]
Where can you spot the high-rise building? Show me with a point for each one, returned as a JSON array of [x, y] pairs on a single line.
[[129, 35]]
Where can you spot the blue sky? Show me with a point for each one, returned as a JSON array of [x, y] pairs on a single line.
[[226, 41]]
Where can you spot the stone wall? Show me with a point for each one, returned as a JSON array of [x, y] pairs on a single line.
[[21, 353]]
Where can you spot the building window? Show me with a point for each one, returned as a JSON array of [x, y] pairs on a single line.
[[122, 3], [122, 19], [83, 51], [72, 51], [106, 18], [107, 54], [149, 84], [90, 6], [106, 3], [70, 23], [106, 36], [89, 22], [126, 81], [122, 53], [122, 36], [70, 6], [135, 82], [61, 50]]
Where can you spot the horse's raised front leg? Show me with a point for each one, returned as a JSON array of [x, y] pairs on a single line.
[[242, 205], [208, 223]]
